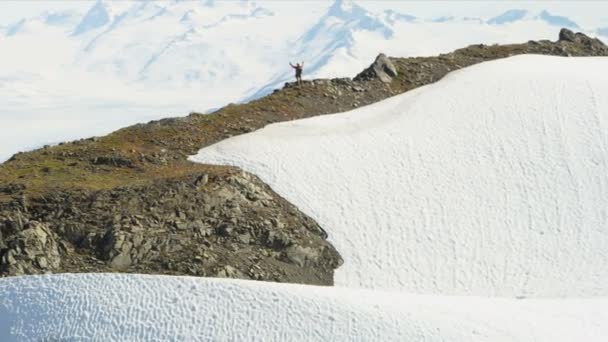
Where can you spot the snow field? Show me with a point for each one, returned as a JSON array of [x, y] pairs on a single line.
[[118, 307], [491, 182]]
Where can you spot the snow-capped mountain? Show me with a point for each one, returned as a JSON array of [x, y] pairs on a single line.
[[96, 17], [177, 45], [122, 62], [391, 17], [327, 46], [508, 17], [61, 18], [127, 62], [545, 16], [45, 20], [557, 20]]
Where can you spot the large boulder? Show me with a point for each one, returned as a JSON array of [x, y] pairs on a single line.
[[382, 69], [569, 37]]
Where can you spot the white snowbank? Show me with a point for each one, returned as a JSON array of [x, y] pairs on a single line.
[[491, 182], [104, 307]]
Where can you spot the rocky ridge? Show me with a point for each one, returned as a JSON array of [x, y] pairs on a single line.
[[131, 202], [229, 225]]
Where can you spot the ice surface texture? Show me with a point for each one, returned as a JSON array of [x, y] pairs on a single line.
[[491, 182], [97, 307]]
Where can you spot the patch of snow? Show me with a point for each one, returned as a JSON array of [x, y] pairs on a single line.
[[113, 307], [491, 182]]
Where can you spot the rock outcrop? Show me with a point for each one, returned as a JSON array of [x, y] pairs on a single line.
[[382, 68], [32, 248], [228, 226], [593, 44]]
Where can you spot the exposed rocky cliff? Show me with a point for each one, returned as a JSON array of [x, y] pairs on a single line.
[[228, 224]]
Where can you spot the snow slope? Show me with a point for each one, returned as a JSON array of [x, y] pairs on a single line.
[[104, 307], [491, 182]]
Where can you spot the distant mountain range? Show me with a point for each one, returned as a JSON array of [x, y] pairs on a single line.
[[515, 15], [202, 44]]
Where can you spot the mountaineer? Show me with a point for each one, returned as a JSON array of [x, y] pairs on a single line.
[[298, 67]]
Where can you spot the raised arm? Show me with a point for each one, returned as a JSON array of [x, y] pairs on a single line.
[[293, 66]]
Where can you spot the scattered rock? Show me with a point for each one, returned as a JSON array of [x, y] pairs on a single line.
[[202, 180], [121, 261], [302, 256], [32, 250], [113, 160], [230, 272], [12, 188], [191, 225]]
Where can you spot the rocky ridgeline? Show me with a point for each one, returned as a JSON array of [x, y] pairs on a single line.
[[388, 76], [131, 202], [231, 226]]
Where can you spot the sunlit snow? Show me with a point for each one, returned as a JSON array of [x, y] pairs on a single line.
[[493, 181], [104, 307]]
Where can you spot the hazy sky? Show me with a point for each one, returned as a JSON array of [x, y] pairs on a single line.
[[593, 13]]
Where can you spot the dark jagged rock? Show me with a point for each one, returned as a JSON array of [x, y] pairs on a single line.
[[34, 249], [382, 69], [567, 35], [12, 188], [579, 38], [113, 160], [229, 225]]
